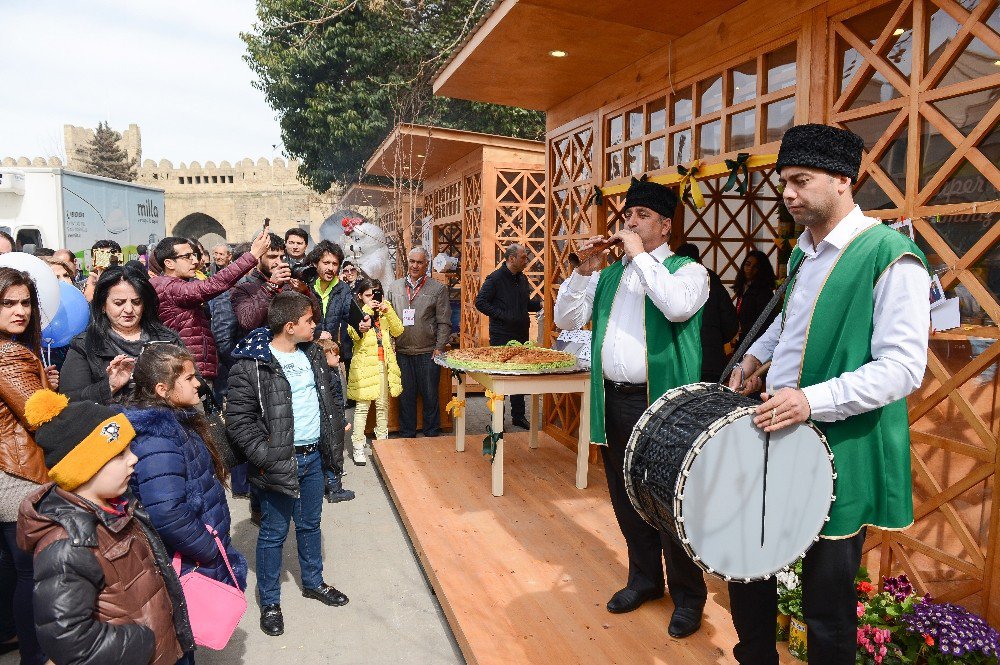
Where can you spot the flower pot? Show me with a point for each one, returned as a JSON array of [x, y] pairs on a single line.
[[797, 638], [781, 628]]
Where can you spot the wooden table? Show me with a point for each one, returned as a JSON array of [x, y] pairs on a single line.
[[533, 386]]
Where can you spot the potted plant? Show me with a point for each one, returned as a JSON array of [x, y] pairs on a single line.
[[896, 626], [789, 595]]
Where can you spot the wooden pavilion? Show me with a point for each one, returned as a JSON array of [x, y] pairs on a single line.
[[477, 194], [634, 88]]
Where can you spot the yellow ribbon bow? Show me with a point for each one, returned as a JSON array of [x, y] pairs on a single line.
[[492, 398], [689, 181], [455, 407]]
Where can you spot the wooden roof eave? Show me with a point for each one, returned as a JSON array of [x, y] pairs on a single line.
[[418, 152], [507, 58]]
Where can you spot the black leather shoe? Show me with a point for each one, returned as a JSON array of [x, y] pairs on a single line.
[[627, 600], [684, 622], [271, 621], [522, 423], [326, 594]]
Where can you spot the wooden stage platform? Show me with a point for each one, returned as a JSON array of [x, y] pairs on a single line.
[[524, 577]]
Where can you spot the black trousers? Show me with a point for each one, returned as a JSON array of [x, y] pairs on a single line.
[[420, 376], [829, 603], [647, 547]]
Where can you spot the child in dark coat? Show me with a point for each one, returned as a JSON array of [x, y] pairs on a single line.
[[179, 474], [281, 413], [105, 592]]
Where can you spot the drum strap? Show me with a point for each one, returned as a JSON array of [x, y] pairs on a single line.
[[759, 323]]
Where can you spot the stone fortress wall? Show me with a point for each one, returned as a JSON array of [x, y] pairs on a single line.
[[213, 200]]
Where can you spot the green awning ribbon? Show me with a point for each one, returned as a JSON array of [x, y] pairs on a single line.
[[490, 443], [596, 197], [736, 166]]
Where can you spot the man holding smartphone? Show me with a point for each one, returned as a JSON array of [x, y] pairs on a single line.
[[252, 296], [103, 254]]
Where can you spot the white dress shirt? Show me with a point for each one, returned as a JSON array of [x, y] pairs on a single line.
[[899, 340], [679, 296]]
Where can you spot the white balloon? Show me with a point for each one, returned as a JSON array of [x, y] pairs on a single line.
[[45, 280]]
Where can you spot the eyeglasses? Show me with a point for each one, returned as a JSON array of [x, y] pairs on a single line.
[[187, 257]]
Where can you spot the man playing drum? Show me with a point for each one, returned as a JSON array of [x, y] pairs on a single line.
[[646, 311], [865, 287]]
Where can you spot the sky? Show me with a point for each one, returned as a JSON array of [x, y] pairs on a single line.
[[175, 68]]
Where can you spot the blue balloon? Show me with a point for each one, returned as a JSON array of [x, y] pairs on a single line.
[[71, 319]]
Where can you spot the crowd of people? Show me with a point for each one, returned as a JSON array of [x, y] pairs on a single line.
[[196, 371]]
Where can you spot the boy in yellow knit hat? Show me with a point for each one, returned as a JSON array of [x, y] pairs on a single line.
[[104, 585]]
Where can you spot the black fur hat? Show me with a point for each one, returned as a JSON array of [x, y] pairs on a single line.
[[822, 147], [654, 196]]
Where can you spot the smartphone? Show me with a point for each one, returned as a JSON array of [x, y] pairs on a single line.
[[104, 258], [266, 227], [377, 295]]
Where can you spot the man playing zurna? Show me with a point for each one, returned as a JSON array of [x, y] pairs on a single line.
[[848, 347], [646, 310]]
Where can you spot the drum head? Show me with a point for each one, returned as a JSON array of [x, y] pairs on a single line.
[[720, 499]]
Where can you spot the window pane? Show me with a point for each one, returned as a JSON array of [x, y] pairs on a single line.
[[869, 196], [615, 130], [741, 129], [872, 128], [780, 66], [682, 107], [934, 150], [657, 111], [635, 124], [744, 82], [874, 89], [656, 157], [710, 139], [633, 165], [615, 165], [780, 117], [900, 45], [710, 95], [680, 147]]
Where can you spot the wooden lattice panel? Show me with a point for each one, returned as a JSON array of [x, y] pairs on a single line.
[[472, 322], [730, 225], [520, 218], [448, 239], [446, 201], [570, 220], [918, 81]]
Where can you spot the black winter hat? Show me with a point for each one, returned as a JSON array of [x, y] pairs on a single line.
[[654, 196], [78, 439], [822, 147]]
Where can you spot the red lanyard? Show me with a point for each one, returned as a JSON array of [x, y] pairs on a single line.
[[411, 294]]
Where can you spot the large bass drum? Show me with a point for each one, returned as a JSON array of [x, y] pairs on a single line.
[[694, 467]]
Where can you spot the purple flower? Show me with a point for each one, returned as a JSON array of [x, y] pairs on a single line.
[[956, 630]]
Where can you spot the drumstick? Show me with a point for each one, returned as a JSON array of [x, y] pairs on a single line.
[[759, 371], [763, 494]]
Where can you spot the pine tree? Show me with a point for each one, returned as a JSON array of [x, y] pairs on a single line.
[[104, 156]]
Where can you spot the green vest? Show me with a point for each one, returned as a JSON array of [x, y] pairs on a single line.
[[871, 450], [673, 350]]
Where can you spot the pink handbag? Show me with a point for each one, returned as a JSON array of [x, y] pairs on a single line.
[[214, 608]]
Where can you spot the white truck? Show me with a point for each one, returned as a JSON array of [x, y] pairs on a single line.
[[56, 208]]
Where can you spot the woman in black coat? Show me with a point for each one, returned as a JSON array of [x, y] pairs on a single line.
[[123, 319], [754, 287]]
